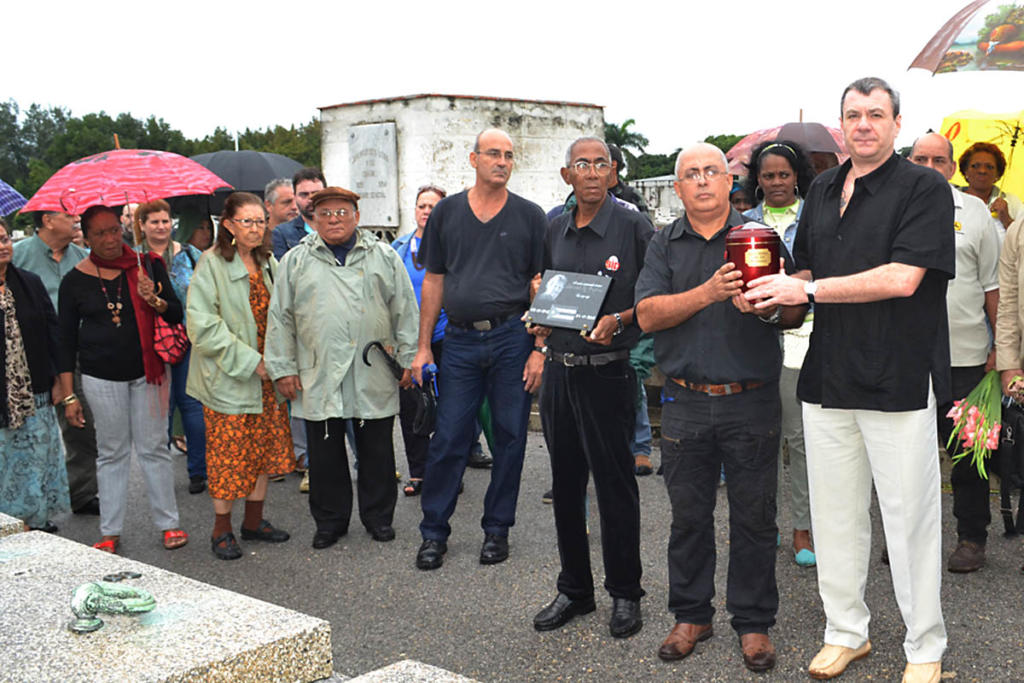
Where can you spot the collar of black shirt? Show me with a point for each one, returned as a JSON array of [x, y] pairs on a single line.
[[682, 226], [872, 182], [599, 224]]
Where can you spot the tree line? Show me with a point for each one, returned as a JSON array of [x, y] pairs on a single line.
[[639, 163], [37, 141]]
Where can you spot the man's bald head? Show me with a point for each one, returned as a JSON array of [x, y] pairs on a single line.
[[934, 151], [487, 134], [699, 148]]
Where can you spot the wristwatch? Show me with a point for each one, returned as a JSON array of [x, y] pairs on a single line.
[[543, 350], [810, 289], [618, 320], [774, 318]]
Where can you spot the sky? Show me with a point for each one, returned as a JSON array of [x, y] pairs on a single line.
[[682, 70]]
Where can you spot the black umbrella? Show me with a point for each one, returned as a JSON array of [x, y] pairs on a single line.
[[248, 170], [424, 395]]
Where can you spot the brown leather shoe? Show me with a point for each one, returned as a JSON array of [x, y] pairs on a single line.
[[758, 651], [682, 640], [968, 557]]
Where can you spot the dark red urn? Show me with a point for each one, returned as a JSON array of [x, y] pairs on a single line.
[[754, 249]]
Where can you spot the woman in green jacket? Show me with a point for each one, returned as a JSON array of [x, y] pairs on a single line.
[[247, 433]]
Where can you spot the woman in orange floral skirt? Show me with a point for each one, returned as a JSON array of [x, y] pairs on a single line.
[[247, 433]]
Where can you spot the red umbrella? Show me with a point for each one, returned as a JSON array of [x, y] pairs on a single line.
[[813, 137], [122, 176]]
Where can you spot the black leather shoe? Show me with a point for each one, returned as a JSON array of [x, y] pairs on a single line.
[[48, 527], [90, 508], [382, 533], [196, 485], [561, 610], [265, 532], [479, 460], [325, 539], [225, 547], [494, 549], [625, 619], [431, 554]]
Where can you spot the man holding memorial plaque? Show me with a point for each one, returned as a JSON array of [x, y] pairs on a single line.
[[587, 399]]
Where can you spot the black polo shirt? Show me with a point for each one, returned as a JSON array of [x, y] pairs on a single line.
[[718, 344], [487, 267], [613, 245], [879, 355]]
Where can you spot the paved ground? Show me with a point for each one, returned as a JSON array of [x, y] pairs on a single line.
[[477, 621]]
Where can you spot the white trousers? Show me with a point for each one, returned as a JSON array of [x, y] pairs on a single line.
[[846, 449], [131, 415]]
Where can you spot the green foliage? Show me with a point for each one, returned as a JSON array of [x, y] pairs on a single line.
[[724, 142], [651, 165], [36, 142]]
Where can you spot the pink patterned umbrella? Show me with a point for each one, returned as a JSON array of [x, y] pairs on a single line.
[[813, 137], [122, 176]]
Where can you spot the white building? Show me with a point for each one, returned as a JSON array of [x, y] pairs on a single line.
[[388, 148]]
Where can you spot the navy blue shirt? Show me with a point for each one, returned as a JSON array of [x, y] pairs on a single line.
[[341, 250], [487, 267]]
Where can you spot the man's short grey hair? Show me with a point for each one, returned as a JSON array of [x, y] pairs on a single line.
[[587, 138], [865, 85], [270, 191], [679, 157], [949, 145]]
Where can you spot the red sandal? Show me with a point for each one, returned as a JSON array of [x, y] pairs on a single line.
[[107, 545], [174, 539]]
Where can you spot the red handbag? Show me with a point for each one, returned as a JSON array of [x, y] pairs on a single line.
[[169, 341]]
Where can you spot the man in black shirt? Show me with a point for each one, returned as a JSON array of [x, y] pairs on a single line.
[[876, 250], [481, 248], [720, 406], [587, 403]]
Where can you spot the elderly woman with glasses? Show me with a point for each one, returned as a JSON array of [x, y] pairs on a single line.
[[982, 165], [247, 433]]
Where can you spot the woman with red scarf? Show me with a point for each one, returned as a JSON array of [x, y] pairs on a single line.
[[108, 307]]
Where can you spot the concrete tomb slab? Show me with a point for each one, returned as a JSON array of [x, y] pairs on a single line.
[[196, 631]]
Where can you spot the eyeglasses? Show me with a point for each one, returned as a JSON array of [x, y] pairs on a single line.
[[600, 167], [340, 213], [497, 154], [249, 222], [707, 175]]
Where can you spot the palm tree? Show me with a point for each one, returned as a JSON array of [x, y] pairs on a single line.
[[621, 136]]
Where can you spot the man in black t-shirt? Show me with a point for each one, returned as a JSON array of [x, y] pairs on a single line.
[[481, 248], [588, 401], [876, 252]]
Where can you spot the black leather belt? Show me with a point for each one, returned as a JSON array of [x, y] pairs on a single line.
[[483, 325], [572, 359]]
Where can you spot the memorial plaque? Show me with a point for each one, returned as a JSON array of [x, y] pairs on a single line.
[[373, 170], [569, 300]]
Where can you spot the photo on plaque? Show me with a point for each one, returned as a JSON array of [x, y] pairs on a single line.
[[569, 300]]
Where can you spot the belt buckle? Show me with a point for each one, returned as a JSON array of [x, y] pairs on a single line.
[[567, 360], [482, 325], [727, 389]]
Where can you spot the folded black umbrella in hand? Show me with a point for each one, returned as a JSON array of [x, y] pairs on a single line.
[[425, 395]]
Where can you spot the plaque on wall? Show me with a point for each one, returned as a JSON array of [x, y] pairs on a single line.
[[569, 300], [373, 170]]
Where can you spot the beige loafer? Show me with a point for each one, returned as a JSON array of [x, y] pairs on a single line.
[[929, 672], [832, 660]]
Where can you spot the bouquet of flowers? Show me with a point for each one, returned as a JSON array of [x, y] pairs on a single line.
[[977, 421]]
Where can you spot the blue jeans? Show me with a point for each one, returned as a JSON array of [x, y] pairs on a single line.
[[191, 418], [477, 364], [642, 433]]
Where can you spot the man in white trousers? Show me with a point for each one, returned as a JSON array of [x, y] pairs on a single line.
[[874, 260]]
